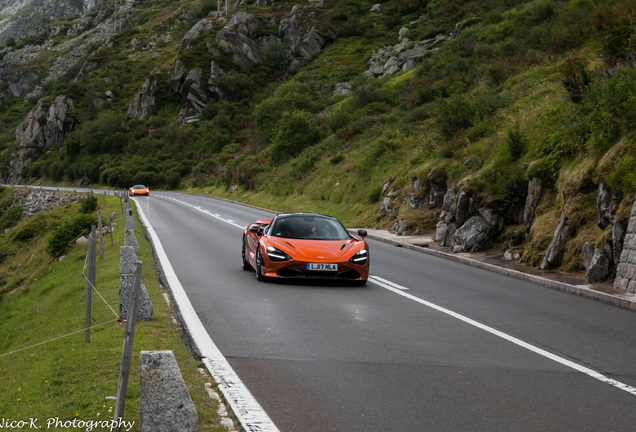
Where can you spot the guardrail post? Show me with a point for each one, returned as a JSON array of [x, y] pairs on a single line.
[[129, 338], [90, 281], [101, 234]]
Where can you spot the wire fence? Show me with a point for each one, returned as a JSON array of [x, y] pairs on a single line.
[[93, 287]]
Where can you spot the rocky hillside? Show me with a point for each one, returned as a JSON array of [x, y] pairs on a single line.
[[503, 126]]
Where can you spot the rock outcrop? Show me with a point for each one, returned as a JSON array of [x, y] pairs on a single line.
[[535, 189], [606, 203], [554, 254], [43, 127], [143, 102], [22, 18]]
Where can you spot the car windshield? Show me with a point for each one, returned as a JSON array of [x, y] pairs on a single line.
[[308, 228], [139, 187]]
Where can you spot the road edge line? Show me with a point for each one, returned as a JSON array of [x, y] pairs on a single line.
[[246, 408]]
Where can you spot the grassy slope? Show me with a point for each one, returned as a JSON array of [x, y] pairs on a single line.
[[68, 378], [460, 104]]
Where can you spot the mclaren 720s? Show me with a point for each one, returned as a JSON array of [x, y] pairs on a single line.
[[305, 246]]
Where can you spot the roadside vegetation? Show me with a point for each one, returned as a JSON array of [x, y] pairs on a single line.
[[527, 89], [43, 300]]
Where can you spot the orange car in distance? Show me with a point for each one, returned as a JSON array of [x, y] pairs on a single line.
[[139, 190], [305, 246]]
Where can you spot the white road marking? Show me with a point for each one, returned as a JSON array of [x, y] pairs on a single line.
[[247, 410], [206, 212], [397, 289], [379, 280]]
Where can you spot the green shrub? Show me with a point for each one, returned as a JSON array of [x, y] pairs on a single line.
[[574, 77], [67, 232], [515, 143], [10, 217], [296, 131], [607, 109], [88, 203], [5, 251]]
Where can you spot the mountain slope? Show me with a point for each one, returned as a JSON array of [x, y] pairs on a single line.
[[495, 124]]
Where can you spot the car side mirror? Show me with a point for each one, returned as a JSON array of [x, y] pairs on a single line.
[[260, 231], [254, 228], [362, 233]]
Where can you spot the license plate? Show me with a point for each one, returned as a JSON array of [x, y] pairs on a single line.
[[322, 267]]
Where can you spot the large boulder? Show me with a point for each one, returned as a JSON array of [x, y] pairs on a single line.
[[43, 127], [606, 202], [535, 189], [471, 236], [556, 250], [599, 268]]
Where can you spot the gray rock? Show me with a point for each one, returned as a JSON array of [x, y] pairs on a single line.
[[554, 255], [176, 80], [605, 206], [436, 194], [215, 73], [535, 189], [598, 270], [342, 89], [618, 236], [34, 135], [492, 218], [377, 8], [165, 404], [143, 102], [587, 253], [390, 60], [449, 204], [463, 208], [400, 227], [471, 236]]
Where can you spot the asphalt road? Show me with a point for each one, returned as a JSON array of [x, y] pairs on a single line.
[[427, 345]]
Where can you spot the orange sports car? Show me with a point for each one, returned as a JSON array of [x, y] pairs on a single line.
[[305, 245], [139, 190]]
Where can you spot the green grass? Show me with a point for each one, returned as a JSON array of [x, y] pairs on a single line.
[[69, 378]]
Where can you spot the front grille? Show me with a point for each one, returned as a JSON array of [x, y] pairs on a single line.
[[291, 272]]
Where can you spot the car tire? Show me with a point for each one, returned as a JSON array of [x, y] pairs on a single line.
[[259, 263], [246, 265]]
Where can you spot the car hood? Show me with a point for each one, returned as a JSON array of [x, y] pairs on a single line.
[[315, 249]]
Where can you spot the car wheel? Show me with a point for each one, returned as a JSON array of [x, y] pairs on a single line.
[[246, 265], [259, 263]]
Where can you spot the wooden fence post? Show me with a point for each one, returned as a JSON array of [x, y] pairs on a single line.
[[129, 338], [90, 281]]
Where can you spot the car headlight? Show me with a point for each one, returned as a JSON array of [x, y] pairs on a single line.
[[276, 255], [360, 258]]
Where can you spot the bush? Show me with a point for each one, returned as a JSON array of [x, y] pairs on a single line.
[[88, 204], [10, 217], [515, 143], [607, 107], [66, 233], [574, 77], [296, 131]]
